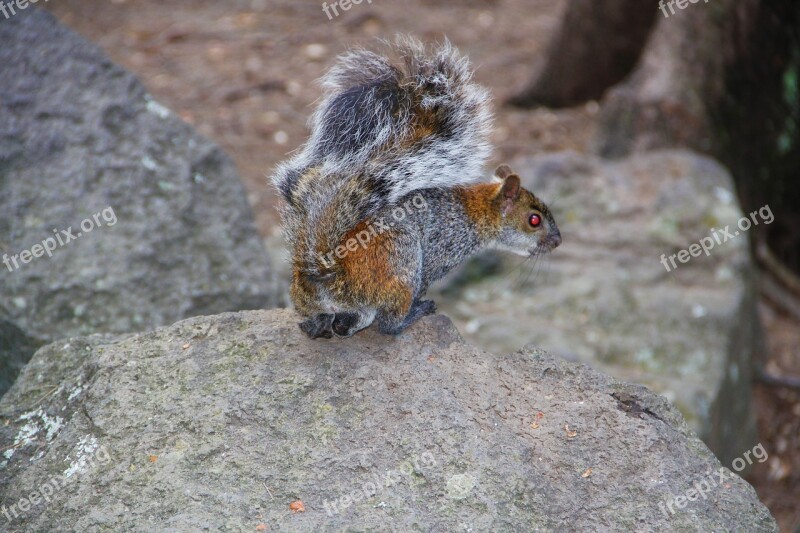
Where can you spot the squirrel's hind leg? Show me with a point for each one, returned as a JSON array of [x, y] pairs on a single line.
[[391, 324], [318, 326], [349, 323]]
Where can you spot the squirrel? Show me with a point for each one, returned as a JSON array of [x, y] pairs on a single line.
[[388, 140]]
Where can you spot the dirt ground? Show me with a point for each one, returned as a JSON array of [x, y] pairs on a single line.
[[242, 72]]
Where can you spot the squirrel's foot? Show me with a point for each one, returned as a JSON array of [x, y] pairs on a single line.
[[419, 309], [345, 323], [349, 323], [423, 308], [318, 326]]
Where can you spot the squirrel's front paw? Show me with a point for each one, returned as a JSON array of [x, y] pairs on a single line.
[[346, 324], [318, 326], [426, 307]]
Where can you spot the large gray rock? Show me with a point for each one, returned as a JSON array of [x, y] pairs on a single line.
[[221, 423], [79, 136], [605, 299]]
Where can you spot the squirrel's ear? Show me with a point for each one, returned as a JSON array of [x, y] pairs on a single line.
[[503, 171], [510, 190]]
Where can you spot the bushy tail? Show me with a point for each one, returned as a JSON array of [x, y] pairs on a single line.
[[382, 131]]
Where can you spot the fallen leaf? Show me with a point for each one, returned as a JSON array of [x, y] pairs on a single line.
[[297, 507], [153, 458], [587, 473], [261, 527], [535, 425], [570, 433], [186, 346]]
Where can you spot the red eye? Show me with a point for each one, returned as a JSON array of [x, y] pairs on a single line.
[[535, 221]]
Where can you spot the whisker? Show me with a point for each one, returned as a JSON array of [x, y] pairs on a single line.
[[519, 264], [531, 259], [534, 260], [503, 286], [534, 275], [542, 263]]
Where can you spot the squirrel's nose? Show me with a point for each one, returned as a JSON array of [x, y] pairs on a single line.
[[555, 239]]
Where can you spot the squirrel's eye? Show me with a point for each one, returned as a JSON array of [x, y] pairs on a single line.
[[535, 220]]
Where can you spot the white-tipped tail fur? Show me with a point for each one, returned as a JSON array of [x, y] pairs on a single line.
[[383, 130], [371, 114]]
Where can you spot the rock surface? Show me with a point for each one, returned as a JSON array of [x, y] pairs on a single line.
[[225, 423], [80, 137], [605, 299]]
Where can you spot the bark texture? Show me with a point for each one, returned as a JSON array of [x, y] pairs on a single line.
[[597, 45], [668, 100]]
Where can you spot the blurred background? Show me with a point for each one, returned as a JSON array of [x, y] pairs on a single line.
[[645, 127]]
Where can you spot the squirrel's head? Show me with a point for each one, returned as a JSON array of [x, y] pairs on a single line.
[[527, 226]]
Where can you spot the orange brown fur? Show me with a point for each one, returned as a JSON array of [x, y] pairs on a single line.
[[481, 207], [379, 283]]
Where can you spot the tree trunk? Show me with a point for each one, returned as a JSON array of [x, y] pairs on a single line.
[[597, 45], [679, 81], [722, 78]]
